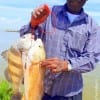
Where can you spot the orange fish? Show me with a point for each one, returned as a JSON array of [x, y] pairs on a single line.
[[24, 60], [33, 72]]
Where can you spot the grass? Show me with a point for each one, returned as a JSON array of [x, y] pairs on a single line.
[[92, 85], [6, 90]]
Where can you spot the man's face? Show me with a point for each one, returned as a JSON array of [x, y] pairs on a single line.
[[75, 6]]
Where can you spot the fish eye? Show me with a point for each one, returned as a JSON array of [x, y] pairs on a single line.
[[39, 46]]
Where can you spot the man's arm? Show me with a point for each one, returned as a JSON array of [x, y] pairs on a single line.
[[25, 29], [88, 60]]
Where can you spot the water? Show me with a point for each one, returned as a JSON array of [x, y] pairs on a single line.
[[91, 79], [7, 39]]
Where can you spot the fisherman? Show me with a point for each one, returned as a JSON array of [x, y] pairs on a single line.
[[70, 39]]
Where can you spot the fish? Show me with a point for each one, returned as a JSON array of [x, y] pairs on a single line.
[[33, 72], [24, 61]]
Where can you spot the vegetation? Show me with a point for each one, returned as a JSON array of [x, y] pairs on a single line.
[[6, 90]]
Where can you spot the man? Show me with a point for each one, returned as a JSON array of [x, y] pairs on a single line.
[[69, 36]]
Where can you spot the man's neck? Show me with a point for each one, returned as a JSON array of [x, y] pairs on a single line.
[[73, 12]]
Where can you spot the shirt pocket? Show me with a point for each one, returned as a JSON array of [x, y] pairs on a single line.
[[76, 40]]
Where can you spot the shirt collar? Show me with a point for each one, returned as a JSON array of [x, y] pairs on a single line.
[[60, 19], [83, 15]]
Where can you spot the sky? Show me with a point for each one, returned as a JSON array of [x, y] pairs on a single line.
[[16, 13]]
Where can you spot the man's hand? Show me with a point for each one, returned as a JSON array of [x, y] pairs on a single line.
[[39, 15], [37, 12], [55, 65]]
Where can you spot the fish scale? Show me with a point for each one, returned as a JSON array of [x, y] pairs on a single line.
[[15, 69]]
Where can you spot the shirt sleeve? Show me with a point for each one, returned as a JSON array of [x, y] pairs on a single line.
[[25, 29], [38, 31], [91, 56]]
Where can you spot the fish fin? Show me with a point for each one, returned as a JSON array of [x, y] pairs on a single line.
[[7, 76], [4, 54]]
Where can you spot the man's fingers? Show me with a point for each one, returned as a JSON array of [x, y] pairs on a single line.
[[41, 10], [45, 63], [37, 12], [56, 70], [34, 15], [51, 66]]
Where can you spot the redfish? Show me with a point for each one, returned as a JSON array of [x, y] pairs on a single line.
[[24, 60], [33, 72]]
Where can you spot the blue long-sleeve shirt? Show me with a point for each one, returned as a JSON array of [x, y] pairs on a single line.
[[76, 42]]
